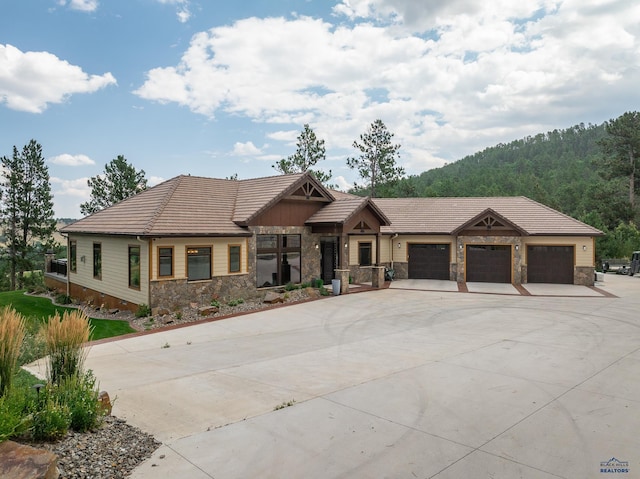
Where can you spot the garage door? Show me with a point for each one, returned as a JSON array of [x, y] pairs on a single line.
[[429, 261], [550, 264], [489, 263]]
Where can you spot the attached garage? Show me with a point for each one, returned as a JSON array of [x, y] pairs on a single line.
[[488, 263], [429, 261], [550, 264]]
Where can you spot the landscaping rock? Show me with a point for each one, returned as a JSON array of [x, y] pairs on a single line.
[[272, 298], [18, 461], [105, 402], [208, 310]]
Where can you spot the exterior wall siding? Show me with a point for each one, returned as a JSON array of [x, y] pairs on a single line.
[[584, 246], [114, 281]]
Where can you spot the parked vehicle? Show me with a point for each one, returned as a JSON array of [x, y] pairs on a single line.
[[634, 267]]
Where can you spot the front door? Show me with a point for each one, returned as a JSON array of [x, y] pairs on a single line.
[[329, 259]]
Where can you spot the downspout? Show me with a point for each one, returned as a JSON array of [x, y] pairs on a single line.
[[391, 247], [68, 266]]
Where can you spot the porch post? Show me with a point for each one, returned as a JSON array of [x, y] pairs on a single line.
[[378, 240]]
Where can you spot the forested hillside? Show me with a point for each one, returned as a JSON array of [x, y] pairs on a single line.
[[558, 168]]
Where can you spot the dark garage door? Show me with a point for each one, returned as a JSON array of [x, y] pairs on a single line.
[[489, 263], [550, 264], [429, 261]]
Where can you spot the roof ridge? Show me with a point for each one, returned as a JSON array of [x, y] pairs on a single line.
[[177, 181]]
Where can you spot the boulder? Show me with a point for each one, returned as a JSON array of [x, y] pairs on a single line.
[[272, 298], [18, 461], [105, 402], [207, 310]]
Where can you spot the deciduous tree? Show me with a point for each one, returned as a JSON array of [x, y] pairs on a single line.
[[378, 156], [119, 182], [27, 209]]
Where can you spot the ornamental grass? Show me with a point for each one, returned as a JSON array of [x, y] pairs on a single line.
[[12, 331], [64, 339]]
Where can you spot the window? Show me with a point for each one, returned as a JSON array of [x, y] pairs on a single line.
[[364, 254], [278, 259], [165, 261], [134, 267], [234, 258], [198, 263], [97, 260], [73, 254]]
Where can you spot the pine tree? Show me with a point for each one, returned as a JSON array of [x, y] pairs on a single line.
[[378, 156], [310, 150], [119, 182], [621, 147], [27, 208]]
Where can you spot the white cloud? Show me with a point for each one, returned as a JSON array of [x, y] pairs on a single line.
[[30, 81], [81, 5], [342, 183], [245, 149], [450, 77], [183, 11], [71, 160], [154, 180]]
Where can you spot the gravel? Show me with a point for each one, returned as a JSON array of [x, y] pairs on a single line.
[[112, 451]]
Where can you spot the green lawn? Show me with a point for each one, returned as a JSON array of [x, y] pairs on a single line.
[[39, 309]]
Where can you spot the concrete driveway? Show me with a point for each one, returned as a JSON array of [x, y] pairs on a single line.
[[394, 383]]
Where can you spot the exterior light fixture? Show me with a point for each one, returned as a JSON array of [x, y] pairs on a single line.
[[399, 245], [317, 246], [346, 245], [584, 247], [461, 246], [517, 247]]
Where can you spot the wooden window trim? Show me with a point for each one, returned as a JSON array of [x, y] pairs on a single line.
[[173, 262], [186, 262], [229, 271], [360, 244]]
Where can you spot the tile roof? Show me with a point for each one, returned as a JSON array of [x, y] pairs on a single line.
[[344, 208], [446, 215], [181, 206]]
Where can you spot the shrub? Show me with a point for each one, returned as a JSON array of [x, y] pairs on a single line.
[[12, 332], [80, 395], [235, 302], [323, 291], [50, 419], [64, 340], [143, 311], [318, 283], [305, 285], [290, 286], [13, 420], [215, 303], [63, 299]]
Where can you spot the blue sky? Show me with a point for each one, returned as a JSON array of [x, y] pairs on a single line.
[[216, 88]]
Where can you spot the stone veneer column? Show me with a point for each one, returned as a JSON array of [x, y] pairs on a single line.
[[377, 277], [343, 276]]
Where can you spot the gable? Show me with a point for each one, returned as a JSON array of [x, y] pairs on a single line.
[[487, 223]]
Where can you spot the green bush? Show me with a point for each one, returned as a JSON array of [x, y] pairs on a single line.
[[318, 283], [215, 303], [63, 299], [235, 302], [143, 311], [290, 286], [323, 291], [50, 419], [305, 285], [13, 420], [80, 395]]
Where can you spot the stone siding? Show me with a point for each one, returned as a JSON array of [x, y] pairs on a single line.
[[175, 294], [584, 275]]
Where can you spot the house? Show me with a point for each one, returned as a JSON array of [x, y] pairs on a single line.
[[191, 239]]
